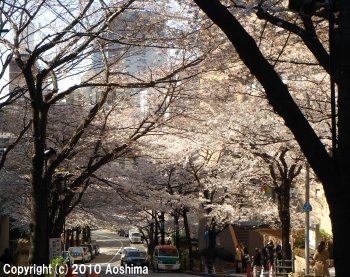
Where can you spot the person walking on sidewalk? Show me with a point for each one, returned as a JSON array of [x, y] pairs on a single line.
[[321, 257], [245, 259], [257, 262], [270, 249], [239, 255]]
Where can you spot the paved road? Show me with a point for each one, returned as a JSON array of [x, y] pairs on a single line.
[[108, 261]]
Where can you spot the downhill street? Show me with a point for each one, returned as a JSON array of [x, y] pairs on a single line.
[[110, 244]]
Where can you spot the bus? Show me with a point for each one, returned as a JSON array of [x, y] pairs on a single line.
[[165, 257]]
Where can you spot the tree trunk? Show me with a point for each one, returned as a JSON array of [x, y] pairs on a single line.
[[39, 239], [72, 240], [84, 235], [77, 238], [56, 228], [67, 239], [156, 229], [151, 241], [339, 197], [162, 229], [286, 247], [210, 251], [177, 233], [188, 238], [284, 214]]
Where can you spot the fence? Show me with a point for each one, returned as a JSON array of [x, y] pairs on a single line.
[[283, 267]]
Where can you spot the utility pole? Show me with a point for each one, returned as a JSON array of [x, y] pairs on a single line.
[[307, 218]]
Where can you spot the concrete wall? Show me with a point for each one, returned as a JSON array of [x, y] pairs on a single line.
[[226, 240], [255, 240]]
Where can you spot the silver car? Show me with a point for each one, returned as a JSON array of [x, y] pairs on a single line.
[[135, 257]]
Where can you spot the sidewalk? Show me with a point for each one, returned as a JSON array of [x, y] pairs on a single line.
[[232, 273], [228, 273], [217, 274]]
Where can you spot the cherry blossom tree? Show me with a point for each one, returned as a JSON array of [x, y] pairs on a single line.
[[52, 56], [330, 169]]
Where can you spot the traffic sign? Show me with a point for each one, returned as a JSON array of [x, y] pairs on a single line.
[[307, 207], [55, 248]]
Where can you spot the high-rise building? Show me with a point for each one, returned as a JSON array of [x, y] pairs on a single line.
[[132, 55]]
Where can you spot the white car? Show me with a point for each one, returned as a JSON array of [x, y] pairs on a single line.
[[79, 254], [135, 237]]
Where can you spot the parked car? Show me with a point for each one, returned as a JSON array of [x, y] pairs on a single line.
[[96, 249], [135, 257], [91, 250], [123, 251], [165, 257], [79, 254]]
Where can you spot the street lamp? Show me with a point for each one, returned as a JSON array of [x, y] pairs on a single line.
[[49, 152]]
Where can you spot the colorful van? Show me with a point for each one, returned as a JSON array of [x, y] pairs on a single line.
[[165, 257]]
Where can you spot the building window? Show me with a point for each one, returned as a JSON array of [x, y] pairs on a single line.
[[318, 193]]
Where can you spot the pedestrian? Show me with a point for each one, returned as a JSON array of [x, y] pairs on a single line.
[[265, 257], [257, 261], [270, 249], [279, 252], [320, 258], [239, 255], [245, 260], [6, 258]]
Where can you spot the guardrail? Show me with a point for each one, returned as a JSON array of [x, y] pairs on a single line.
[[283, 267]]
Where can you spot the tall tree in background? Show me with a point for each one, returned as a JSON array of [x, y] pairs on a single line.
[[332, 169], [65, 57]]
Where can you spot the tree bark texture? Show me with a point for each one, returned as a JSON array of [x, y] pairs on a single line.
[[39, 237], [339, 198]]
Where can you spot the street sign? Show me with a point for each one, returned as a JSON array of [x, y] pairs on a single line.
[[307, 207], [55, 248], [206, 235]]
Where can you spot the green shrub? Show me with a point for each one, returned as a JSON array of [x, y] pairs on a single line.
[[325, 236], [59, 261], [299, 252], [299, 239]]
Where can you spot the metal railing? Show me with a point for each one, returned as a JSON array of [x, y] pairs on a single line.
[[283, 267]]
